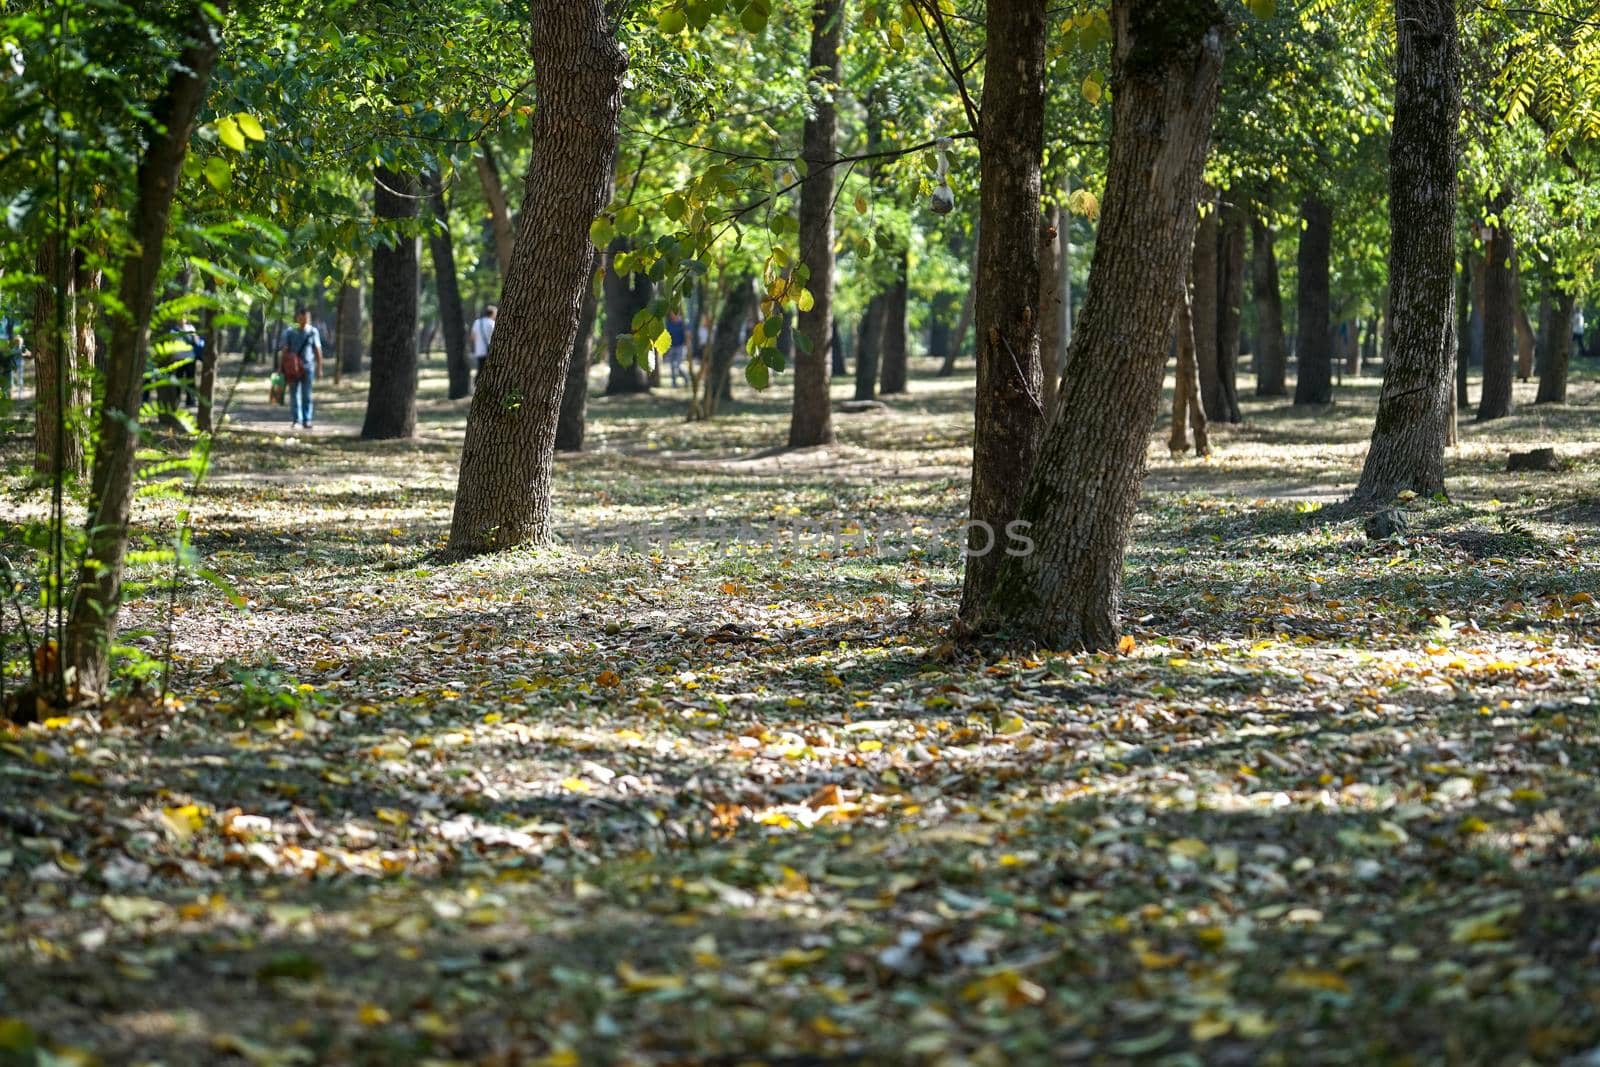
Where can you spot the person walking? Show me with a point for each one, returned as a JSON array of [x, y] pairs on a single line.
[[678, 333], [1579, 345], [481, 333], [301, 361]]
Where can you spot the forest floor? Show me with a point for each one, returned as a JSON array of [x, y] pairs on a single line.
[[703, 784]]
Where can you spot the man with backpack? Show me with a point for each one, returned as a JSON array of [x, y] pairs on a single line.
[[481, 333], [301, 364]]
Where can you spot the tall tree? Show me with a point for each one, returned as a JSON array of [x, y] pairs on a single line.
[[97, 596], [869, 345], [893, 372], [1230, 304], [1205, 313], [59, 372], [1314, 344], [499, 210], [392, 385], [811, 420], [1010, 404], [452, 316], [347, 326], [625, 296], [1558, 352], [503, 494], [573, 420], [1186, 407], [1272, 350], [1051, 296], [1080, 500], [1414, 406], [1499, 315]]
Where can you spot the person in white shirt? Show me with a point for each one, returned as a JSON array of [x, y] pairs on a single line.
[[481, 333], [1578, 343]]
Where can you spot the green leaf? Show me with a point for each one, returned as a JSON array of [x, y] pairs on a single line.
[[805, 302], [218, 173], [250, 126], [230, 134], [673, 21], [754, 19], [601, 232], [756, 373]]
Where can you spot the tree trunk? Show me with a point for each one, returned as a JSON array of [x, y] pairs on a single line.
[[1499, 318], [97, 597], [1272, 349], [1466, 309], [573, 418], [1314, 345], [939, 309], [625, 297], [347, 327], [1050, 297], [1414, 409], [452, 318], [869, 345], [1010, 407], [893, 369], [1206, 313], [811, 419], [206, 398], [58, 373], [499, 210], [1230, 307], [1541, 340], [392, 385], [1066, 592], [1479, 276], [503, 497], [969, 306], [1553, 380], [1186, 406], [726, 339]]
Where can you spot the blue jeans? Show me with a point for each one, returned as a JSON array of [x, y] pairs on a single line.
[[300, 398]]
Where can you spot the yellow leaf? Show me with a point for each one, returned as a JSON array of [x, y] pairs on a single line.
[[1310, 980], [870, 746], [182, 822], [610, 679], [636, 981], [372, 1015], [1127, 644], [561, 1057], [250, 126], [575, 785], [230, 134]]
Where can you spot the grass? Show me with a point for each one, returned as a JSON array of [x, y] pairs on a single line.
[[727, 800]]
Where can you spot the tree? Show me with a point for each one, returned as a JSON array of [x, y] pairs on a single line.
[[1271, 349], [1010, 406], [499, 210], [811, 420], [503, 493], [347, 326], [1052, 295], [1065, 593], [1414, 406], [893, 370], [1558, 354], [60, 368], [626, 295], [1186, 407], [392, 385], [96, 600], [869, 345], [452, 318], [1314, 343], [572, 421], [1499, 315], [1230, 305]]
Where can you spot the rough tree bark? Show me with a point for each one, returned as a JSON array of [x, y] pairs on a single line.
[[58, 373], [392, 384], [1272, 349], [494, 192], [573, 419], [452, 317], [869, 345], [206, 388], [1230, 305], [1051, 322], [503, 495], [1466, 307], [1083, 490], [1186, 407], [1499, 317], [96, 599], [1314, 346], [1205, 311], [969, 306], [1010, 406], [725, 342], [893, 369], [1414, 406], [1558, 351], [811, 420]]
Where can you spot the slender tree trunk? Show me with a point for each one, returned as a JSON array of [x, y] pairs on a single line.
[[97, 598], [1314, 348], [893, 370], [1010, 405], [392, 385], [969, 307], [625, 297], [1230, 304], [205, 401], [1066, 592], [347, 327], [1050, 298], [811, 420], [1541, 341], [1206, 313], [726, 341], [499, 210], [1272, 349], [1479, 278], [1186, 407], [1466, 308], [939, 309], [869, 345], [452, 317], [573, 419], [503, 498], [1414, 419], [58, 373], [1553, 380], [1499, 318]]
